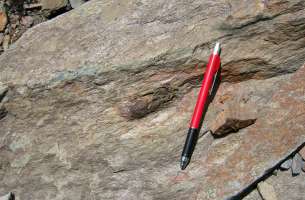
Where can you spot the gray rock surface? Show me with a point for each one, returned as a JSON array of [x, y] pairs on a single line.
[[287, 164], [76, 3], [67, 136], [72, 132], [287, 186], [266, 190], [253, 195], [297, 164], [6, 42]]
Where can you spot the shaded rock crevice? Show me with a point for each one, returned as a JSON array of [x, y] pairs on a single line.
[[232, 126], [267, 173], [3, 92], [3, 111]]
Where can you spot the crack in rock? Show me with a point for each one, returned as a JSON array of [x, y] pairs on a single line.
[[247, 189]]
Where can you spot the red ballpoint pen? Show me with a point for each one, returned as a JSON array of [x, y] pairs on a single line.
[[206, 89]]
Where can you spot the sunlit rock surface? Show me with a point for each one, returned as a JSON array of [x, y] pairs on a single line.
[[99, 99]]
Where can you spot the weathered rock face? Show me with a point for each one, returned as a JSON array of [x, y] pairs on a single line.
[[242, 158], [234, 116], [100, 98], [259, 40], [267, 191], [287, 186]]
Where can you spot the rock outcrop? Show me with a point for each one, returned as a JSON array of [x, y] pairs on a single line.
[[99, 99], [259, 40]]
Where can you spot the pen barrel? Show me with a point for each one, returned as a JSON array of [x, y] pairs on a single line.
[[190, 142], [211, 69]]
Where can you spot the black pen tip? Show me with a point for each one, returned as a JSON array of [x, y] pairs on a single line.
[[184, 162], [183, 165]]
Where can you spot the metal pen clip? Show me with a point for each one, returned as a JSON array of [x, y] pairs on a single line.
[[214, 81]]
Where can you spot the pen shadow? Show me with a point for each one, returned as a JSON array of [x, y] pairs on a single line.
[[209, 100]]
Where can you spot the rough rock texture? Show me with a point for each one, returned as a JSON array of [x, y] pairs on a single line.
[[72, 130], [53, 4], [267, 191], [6, 42], [239, 158], [297, 164], [287, 164], [233, 118], [76, 3], [254, 195], [17, 16], [259, 41], [70, 141], [287, 186]]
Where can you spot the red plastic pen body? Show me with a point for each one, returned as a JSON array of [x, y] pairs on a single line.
[[205, 90], [211, 70]]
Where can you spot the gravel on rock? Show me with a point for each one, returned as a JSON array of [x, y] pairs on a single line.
[[296, 166], [286, 165]]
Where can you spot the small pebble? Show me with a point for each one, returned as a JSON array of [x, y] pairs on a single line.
[[27, 21], [266, 191], [76, 3], [297, 164], [286, 165]]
